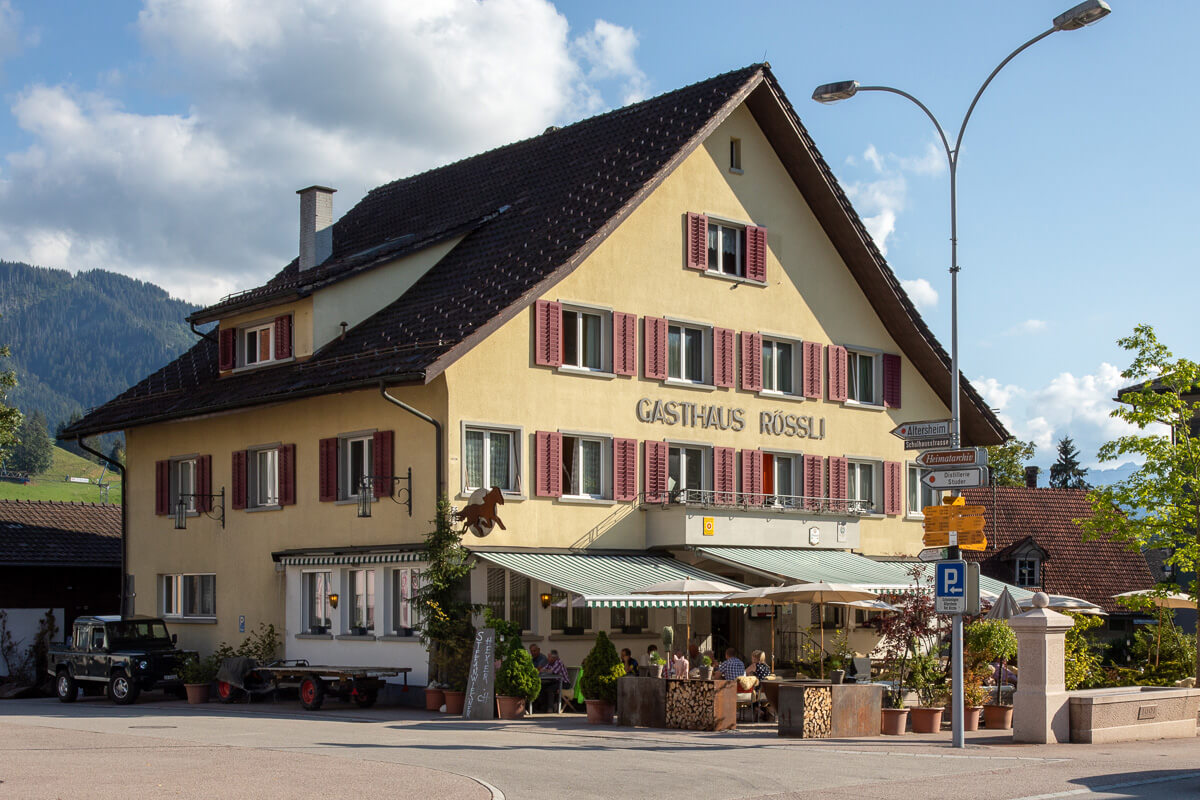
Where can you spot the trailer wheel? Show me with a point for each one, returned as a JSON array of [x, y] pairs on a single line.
[[65, 686], [365, 698], [227, 692], [312, 693]]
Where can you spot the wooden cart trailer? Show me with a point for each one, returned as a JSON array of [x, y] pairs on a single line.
[[315, 682]]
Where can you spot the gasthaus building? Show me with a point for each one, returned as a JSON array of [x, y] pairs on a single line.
[[662, 333]]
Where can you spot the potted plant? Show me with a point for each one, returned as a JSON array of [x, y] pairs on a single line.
[[974, 696], [656, 664], [517, 684], [987, 642], [913, 629], [706, 669], [929, 682], [836, 672], [197, 675], [601, 669], [840, 654], [435, 698]]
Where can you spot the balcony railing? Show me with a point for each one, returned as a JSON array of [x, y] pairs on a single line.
[[744, 501]]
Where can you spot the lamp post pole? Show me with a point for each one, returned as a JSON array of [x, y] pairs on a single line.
[[1077, 17]]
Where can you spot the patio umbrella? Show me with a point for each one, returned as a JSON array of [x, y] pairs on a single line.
[[873, 605], [1161, 601], [1003, 606], [820, 594], [1062, 602], [758, 596], [688, 587]]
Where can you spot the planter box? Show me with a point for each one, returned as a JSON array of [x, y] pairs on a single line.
[[701, 705], [642, 702], [853, 709], [1133, 713]]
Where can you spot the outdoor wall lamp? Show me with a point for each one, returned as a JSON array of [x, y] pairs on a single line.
[[181, 509], [368, 484], [333, 599], [545, 598]]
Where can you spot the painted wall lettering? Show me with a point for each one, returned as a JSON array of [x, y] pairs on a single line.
[[694, 415]]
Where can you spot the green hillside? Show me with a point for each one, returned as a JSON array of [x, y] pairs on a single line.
[[53, 484]]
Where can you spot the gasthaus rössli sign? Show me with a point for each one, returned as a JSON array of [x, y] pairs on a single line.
[[700, 415]]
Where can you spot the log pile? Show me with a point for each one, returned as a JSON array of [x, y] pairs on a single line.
[[818, 712], [691, 705]]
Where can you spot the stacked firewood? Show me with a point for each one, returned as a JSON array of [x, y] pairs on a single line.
[[691, 705], [818, 712]]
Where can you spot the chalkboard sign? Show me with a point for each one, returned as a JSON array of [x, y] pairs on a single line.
[[480, 702]]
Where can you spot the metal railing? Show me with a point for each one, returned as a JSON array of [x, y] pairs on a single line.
[[746, 501]]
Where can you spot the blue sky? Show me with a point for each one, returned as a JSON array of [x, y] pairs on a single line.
[[146, 137]]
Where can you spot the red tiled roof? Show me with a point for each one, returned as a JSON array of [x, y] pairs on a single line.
[[48, 533], [1092, 570]]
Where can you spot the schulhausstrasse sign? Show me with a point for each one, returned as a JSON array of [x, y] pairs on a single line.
[[699, 415]]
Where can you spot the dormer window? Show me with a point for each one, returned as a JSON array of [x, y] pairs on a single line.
[[261, 342], [258, 344], [1028, 570]]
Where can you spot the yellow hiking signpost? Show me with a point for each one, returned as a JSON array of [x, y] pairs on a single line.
[[965, 522]]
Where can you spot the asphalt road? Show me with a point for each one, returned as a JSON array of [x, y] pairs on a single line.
[[158, 748]]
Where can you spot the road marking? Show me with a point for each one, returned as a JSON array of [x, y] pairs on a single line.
[[1098, 789]]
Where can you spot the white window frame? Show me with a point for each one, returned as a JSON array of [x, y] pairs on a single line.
[[252, 474], [396, 598], [589, 614], [306, 596], [852, 388], [174, 594], [706, 345], [1036, 564], [243, 351], [795, 344], [706, 473], [876, 484], [517, 434], [913, 476], [604, 315], [723, 228], [569, 490], [370, 596], [795, 490], [346, 488], [178, 467]]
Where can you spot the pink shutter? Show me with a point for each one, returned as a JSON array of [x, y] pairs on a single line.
[[547, 333], [327, 464], [624, 343], [624, 470], [697, 242], [548, 463], [724, 479], [814, 482], [812, 370], [891, 381], [287, 475], [654, 343], [723, 373], [752, 477], [751, 361], [838, 386], [382, 450], [204, 483], [227, 347], [239, 480], [838, 484], [891, 487], [162, 487], [756, 254], [283, 336], [655, 471]]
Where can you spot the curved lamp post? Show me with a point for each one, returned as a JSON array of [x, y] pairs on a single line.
[[1072, 20]]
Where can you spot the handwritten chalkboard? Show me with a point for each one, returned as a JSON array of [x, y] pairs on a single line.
[[480, 702]]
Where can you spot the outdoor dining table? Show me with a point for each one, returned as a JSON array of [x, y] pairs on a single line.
[[552, 692]]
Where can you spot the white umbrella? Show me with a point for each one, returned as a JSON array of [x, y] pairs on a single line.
[[1003, 606], [1161, 601], [688, 587], [873, 605], [820, 594], [1062, 602]]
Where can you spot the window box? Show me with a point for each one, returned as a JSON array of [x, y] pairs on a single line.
[[574, 630]]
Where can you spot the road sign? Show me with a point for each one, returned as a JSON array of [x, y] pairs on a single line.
[[927, 444], [967, 541], [960, 524], [955, 478], [956, 587], [957, 509], [967, 457], [932, 554], [922, 430]]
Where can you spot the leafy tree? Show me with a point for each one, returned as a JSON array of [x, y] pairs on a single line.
[[1082, 662], [1159, 504], [443, 601], [1066, 472], [1007, 461], [913, 630], [34, 449], [10, 417]]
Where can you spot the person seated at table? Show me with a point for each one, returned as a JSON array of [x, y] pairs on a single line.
[[694, 654], [651, 652], [535, 652], [631, 664], [732, 667], [679, 666], [556, 668], [758, 665]]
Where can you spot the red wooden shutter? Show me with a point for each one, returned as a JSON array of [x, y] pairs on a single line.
[[624, 470], [724, 478], [814, 482], [654, 344], [382, 450], [838, 484], [655, 471], [227, 355], [283, 336], [547, 333], [756, 254], [697, 242], [239, 479], [327, 469], [891, 487], [838, 386], [162, 487], [751, 361], [548, 463], [723, 372], [624, 343], [204, 483], [891, 381], [287, 475], [752, 477], [812, 370]]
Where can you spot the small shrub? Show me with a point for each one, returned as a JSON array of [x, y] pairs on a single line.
[[1082, 662], [989, 640], [927, 679], [518, 677], [601, 668], [198, 670], [261, 645]]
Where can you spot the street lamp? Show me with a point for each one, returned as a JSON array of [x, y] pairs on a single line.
[[1077, 17]]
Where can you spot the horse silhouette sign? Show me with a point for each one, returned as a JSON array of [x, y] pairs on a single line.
[[479, 517]]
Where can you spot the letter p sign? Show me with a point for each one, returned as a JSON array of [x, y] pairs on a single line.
[[951, 579]]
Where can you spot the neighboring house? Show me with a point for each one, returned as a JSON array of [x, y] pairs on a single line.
[[662, 335], [60, 556], [1035, 543]]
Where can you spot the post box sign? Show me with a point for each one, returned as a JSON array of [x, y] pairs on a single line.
[[699, 415]]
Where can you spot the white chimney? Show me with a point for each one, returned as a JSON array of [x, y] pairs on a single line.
[[316, 225]]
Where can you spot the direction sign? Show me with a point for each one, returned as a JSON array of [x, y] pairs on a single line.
[[955, 478], [966, 457], [922, 430], [958, 509], [926, 444], [932, 554], [967, 541], [960, 524]]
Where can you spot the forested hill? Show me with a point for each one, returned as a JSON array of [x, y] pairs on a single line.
[[79, 340]]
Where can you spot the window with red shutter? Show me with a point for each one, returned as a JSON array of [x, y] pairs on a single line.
[[204, 501], [814, 482], [655, 471], [283, 337], [891, 487], [162, 487], [238, 501], [382, 452], [724, 475], [812, 370], [625, 470], [624, 343], [751, 361], [697, 242], [227, 349], [654, 344], [547, 333], [756, 254], [287, 475], [838, 488], [327, 469], [837, 372], [548, 464], [723, 366], [891, 381], [752, 477]]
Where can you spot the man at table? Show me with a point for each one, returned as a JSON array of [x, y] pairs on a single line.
[[535, 652], [630, 663], [555, 667], [732, 667]]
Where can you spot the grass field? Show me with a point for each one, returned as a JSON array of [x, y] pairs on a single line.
[[53, 484]]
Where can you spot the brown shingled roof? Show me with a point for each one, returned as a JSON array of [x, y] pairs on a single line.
[[50, 533], [1092, 570]]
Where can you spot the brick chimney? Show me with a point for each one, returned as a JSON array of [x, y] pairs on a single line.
[[316, 225], [1031, 474]]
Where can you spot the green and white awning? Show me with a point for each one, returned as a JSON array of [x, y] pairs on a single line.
[[813, 566], [608, 581], [331, 559]]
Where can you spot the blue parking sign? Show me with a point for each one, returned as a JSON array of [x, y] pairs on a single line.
[[950, 587]]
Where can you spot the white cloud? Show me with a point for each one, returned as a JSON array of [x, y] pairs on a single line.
[[922, 293], [881, 200], [1026, 327], [284, 94], [10, 30], [931, 162], [996, 394]]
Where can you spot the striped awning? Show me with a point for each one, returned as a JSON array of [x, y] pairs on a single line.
[[329, 559], [608, 581], [813, 566]]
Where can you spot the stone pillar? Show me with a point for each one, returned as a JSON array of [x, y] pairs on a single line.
[[1041, 712]]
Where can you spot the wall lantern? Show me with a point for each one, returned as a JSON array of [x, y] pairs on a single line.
[[389, 483], [216, 511], [333, 599], [545, 598]]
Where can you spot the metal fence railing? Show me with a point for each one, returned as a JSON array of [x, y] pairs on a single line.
[[783, 503]]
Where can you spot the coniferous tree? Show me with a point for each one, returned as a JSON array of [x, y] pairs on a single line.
[[34, 449], [1066, 472], [10, 418]]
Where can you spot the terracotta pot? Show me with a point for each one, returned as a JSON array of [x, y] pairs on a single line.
[[599, 712], [510, 707], [894, 721], [971, 718], [927, 720], [197, 693], [454, 701], [434, 699], [997, 718]]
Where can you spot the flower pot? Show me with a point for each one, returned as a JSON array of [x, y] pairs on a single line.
[[197, 693], [971, 718], [454, 701], [434, 699], [927, 720], [706, 673], [894, 721], [599, 712], [997, 718], [656, 670], [837, 675], [510, 707]]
